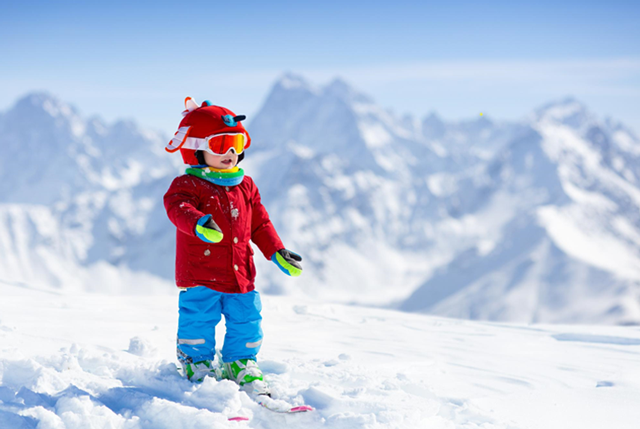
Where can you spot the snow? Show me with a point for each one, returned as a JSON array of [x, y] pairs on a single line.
[[626, 142], [590, 245], [375, 135], [81, 360], [441, 184]]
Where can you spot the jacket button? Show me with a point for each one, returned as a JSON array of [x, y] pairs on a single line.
[[226, 188], [207, 252], [235, 240], [235, 267]]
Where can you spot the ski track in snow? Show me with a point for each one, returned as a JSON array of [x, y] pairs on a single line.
[[89, 361]]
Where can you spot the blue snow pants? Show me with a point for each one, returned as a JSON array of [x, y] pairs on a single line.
[[202, 308]]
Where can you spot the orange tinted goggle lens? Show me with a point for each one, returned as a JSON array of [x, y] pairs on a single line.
[[222, 143]]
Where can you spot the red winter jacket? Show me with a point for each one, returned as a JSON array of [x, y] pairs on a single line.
[[226, 266]]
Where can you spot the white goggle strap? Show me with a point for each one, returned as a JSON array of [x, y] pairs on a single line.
[[182, 141]]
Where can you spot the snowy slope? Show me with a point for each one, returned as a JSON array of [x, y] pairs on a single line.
[[85, 360]]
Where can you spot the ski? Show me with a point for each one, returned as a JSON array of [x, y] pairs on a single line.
[[260, 394], [238, 419]]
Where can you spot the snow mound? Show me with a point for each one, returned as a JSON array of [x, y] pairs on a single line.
[[80, 387]]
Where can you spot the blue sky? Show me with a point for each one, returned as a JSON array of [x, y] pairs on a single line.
[[121, 60]]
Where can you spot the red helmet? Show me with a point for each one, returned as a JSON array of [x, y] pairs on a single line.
[[213, 129]]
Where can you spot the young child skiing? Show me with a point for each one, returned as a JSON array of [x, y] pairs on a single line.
[[217, 210]]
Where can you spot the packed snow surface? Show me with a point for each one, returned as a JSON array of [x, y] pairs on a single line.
[[90, 361]]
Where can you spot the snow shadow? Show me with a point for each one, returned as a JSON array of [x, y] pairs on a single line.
[[12, 403], [15, 421], [599, 339]]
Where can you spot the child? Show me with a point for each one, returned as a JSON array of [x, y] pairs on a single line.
[[217, 210]]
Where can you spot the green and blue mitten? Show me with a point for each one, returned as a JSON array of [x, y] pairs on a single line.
[[288, 262], [208, 231]]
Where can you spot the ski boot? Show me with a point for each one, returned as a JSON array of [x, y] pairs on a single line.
[[197, 371], [248, 375]]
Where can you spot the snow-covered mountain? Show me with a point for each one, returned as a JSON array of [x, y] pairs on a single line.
[[79, 199], [534, 221], [568, 247], [529, 221]]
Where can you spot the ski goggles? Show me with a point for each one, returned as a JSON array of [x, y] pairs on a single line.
[[220, 144]]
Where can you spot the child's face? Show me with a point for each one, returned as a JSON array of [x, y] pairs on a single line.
[[221, 162]]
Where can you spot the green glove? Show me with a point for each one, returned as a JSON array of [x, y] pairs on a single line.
[[208, 231], [288, 262]]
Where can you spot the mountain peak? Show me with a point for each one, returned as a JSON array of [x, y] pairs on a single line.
[[341, 89], [43, 104], [433, 127], [338, 84], [291, 80], [568, 111]]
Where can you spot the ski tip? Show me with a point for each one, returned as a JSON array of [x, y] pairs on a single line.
[[239, 419], [301, 408]]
